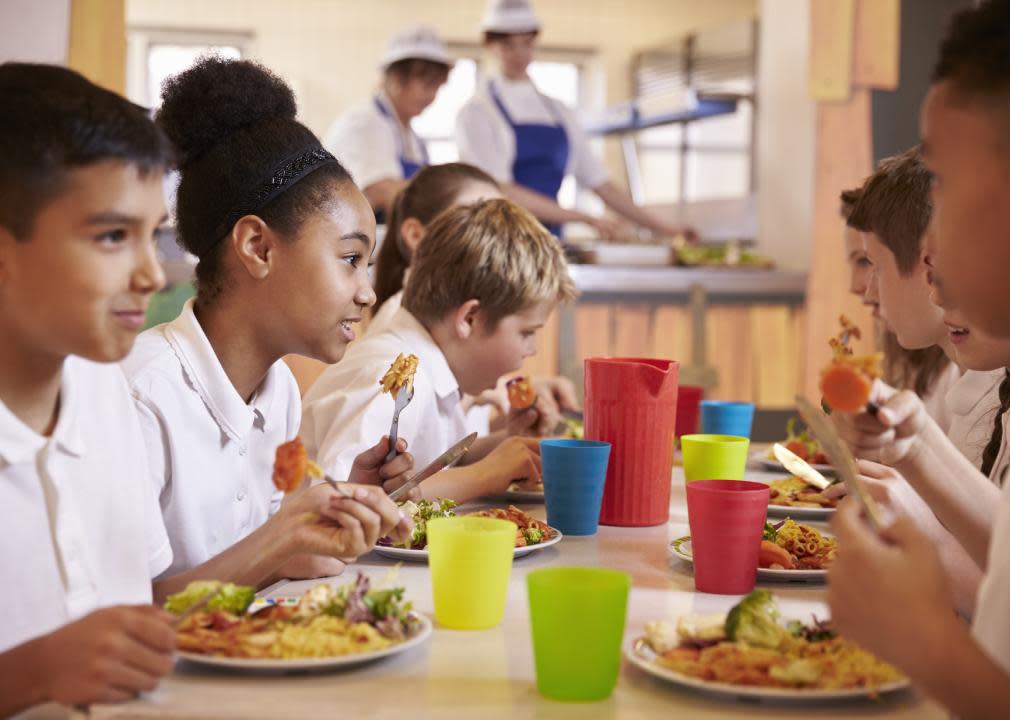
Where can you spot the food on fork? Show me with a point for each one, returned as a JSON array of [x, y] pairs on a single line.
[[847, 380], [291, 465], [801, 444], [400, 375], [521, 394]]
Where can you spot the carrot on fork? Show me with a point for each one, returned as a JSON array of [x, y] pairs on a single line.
[[847, 381]]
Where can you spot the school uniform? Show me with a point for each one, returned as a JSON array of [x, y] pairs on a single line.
[[935, 398], [211, 452], [973, 402], [81, 527], [991, 624], [478, 417], [345, 412], [518, 135], [373, 145]]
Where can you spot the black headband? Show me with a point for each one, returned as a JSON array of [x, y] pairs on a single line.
[[283, 178]]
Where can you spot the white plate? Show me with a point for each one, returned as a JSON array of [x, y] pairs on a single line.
[[768, 463], [318, 663], [422, 555], [637, 651], [528, 496], [681, 548], [800, 513]]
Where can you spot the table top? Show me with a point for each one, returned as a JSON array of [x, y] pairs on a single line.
[[467, 674]]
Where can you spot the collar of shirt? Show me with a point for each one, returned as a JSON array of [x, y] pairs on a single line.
[[19, 443], [430, 356], [208, 379], [972, 388]]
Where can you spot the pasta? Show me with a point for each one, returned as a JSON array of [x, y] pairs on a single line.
[[400, 375]]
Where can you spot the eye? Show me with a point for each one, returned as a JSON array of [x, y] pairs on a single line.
[[353, 260], [112, 237], [864, 262]]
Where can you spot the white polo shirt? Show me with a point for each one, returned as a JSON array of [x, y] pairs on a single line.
[[368, 143], [81, 528], [973, 402], [345, 411], [211, 452], [485, 139], [991, 625]]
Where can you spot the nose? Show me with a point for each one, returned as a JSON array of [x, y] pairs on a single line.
[[148, 277], [365, 297]]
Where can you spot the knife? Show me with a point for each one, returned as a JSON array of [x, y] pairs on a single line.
[[841, 457], [799, 467], [447, 459]]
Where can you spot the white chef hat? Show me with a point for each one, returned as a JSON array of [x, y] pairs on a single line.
[[509, 16], [417, 42]]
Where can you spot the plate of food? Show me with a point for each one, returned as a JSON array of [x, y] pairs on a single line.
[[531, 534], [750, 654], [802, 444], [524, 491], [325, 628], [790, 552], [794, 497]]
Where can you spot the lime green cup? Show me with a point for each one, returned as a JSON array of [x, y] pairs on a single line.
[[714, 457], [577, 618], [470, 560]]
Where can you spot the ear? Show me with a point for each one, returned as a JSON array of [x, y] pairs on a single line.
[[253, 243], [464, 319], [411, 234]]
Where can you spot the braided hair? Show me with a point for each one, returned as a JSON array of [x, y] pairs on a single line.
[[992, 449]]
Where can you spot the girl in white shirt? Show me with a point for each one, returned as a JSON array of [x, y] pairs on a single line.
[[283, 238]]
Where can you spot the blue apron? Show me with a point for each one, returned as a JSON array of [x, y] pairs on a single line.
[[409, 167], [541, 154]]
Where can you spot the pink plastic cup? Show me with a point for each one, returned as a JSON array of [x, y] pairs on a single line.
[[688, 409], [727, 518]]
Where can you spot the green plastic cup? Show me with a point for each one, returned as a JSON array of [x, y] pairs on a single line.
[[714, 457], [577, 619], [470, 560]]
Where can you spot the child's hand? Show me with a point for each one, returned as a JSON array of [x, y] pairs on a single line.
[[559, 393], [515, 458], [325, 522], [894, 495], [107, 656], [890, 435], [370, 468], [887, 593]]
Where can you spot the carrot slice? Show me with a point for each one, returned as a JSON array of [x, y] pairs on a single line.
[[845, 387], [291, 462], [521, 393], [772, 554]]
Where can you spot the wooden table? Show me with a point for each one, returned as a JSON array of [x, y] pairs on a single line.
[[489, 674]]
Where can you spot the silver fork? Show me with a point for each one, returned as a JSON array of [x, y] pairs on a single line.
[[402, 400]]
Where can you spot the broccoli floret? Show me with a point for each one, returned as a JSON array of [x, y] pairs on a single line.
[[770, 533], [754, 620], [533, 535], [422, 511]]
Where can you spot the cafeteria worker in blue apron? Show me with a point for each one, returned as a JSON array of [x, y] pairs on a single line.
[[528, 141], [374, 140]]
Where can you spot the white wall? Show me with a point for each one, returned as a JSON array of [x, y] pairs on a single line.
[[34, 30], [786, 134]]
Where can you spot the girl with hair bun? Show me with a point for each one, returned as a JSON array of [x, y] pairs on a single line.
[[283, 238]]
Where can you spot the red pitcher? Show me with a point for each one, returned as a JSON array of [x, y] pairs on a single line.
[[632, 404]]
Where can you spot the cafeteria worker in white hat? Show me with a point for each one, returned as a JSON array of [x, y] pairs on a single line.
[[374, 140], [528, 141]]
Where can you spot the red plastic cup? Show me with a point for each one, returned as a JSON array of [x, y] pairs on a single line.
[[727, 518], [631, 403], [688, 409]]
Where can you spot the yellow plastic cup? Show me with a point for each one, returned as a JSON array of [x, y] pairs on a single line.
[[714, 457], [470, 560]]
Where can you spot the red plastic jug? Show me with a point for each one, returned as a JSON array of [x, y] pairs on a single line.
[[632, 404]]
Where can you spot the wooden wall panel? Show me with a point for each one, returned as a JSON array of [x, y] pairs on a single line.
[[592, 331], [98, 42], [776, 366], [832, 24], [633, 330], [730, 351], [671, 334], [877, 43]]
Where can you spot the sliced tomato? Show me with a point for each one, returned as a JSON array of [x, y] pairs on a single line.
[[521, 393]]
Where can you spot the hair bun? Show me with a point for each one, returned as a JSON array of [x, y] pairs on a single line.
[[217, 97]]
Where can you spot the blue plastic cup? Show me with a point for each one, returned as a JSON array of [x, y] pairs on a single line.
[[574, 474], [726, 418]]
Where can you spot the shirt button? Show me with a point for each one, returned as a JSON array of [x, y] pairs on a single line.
[[242, 450], [240, 495]]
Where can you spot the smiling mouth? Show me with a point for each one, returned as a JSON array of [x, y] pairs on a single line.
[[957, 331]]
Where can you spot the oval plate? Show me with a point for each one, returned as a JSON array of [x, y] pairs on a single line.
[[800, 513], [422, 555], [335, 662], [637, 651], [774, 465], [681, 548]]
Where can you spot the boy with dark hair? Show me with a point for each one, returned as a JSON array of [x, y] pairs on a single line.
[[908, 619], [80, 205]]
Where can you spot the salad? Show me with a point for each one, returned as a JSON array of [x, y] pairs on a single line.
[[421, 512]]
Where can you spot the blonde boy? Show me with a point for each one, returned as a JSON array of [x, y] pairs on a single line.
[[483, 283]]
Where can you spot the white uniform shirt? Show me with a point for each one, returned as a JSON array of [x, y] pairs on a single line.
[[345, 412], [211, 453], [935, 399], [368, 143], [81, 527], [478, 417], [991, 626], [973, 402], [485, 139]]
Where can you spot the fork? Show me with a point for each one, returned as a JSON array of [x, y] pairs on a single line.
[[402, 400]]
